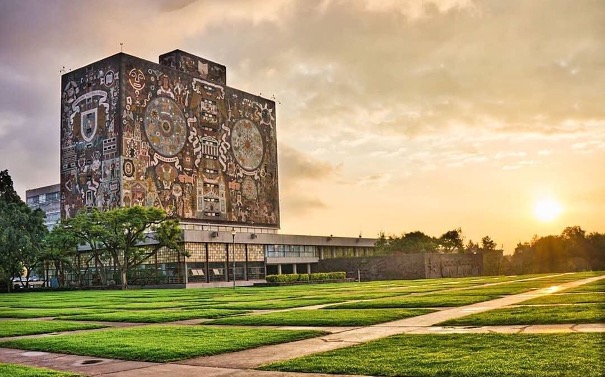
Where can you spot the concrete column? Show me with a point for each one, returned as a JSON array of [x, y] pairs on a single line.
[[246, 263], [185, 271], [279, 269], [294, 268], [309, 268], [226, 262]]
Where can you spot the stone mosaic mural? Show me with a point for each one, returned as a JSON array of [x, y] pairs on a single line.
[[174, 136], [90, 162]]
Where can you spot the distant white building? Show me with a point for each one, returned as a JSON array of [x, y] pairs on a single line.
[[48, 199]]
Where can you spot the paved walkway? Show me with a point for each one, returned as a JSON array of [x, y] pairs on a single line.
[[258, 356], [238, 364]]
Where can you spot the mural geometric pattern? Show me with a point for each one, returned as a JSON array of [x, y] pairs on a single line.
[[173, 136]]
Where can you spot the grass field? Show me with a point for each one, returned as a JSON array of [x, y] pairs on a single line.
[[23, 327], [322, 317], [14, 370], [528, 315], [462, 355], [160, 343], [154, 316], [349, 304], [429, 301]]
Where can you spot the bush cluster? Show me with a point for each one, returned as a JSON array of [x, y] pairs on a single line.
[[318, 276]]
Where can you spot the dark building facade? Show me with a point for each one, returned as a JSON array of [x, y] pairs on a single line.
[[169, 135]]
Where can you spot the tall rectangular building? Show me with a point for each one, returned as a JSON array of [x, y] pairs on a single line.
[[47, 199], [169, 135]]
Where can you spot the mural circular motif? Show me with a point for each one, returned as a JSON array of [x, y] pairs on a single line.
[[165, 126], [249, 189], [247, 144]]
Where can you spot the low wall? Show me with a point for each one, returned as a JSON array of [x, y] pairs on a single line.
[[406, 266]]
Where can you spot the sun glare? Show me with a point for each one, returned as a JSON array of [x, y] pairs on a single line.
[[547, 209]]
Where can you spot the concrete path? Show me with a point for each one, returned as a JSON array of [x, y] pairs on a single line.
[[263, 355], [239, 364]]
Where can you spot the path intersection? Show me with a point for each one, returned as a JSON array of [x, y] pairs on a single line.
[[242, 363]]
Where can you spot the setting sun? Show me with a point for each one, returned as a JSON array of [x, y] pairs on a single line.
[[547, 209]]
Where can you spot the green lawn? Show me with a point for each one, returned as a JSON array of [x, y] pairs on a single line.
[[323, 317], [26, 327], [14, 370], [428, 301], [596, 286], [275, 304], [462, 355], [160, 343], [568, 298], [37, 313], [528, 315], [154, 316]]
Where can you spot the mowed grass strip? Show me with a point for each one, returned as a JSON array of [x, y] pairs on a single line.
[[15, 370], [155, 316], [160, 343], [528, 315], [462, 355], [595, 286], [154, 305], [415, 302], [323, 317], [26, 327], [38, 313], [568, 298]]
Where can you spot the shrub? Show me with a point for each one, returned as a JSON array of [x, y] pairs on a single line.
[[318, 276]]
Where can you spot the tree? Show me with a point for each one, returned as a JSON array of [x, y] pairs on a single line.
[[597, 250], [7, 192], [472, 247], [88, 228], [134, 234], [417, 242], [35, 230], [21, 233], [62, 246], [412, 242], [487, 244], [451, 241]]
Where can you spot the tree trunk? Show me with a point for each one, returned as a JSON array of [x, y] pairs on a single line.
[[123, 278]]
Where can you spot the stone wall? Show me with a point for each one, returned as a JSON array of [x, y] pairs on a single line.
[[406, 266]]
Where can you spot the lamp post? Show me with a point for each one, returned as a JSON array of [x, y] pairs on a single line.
[[233, 247]]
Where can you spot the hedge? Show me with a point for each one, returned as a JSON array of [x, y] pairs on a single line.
[[318, 276]]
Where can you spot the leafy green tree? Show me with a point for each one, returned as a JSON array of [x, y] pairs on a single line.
[[451, 241], [62, 247], [409, 243], [134, 234], [417, 242], [472, 247], [487, 244], [7, 192], [88, 228], [21, 233], [31, 257], [596, 242]]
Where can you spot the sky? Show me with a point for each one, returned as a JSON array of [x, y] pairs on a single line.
[[392, 116]]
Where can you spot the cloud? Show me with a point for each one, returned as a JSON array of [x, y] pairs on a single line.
[[295, 165], [302, 205], [377, 180]]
